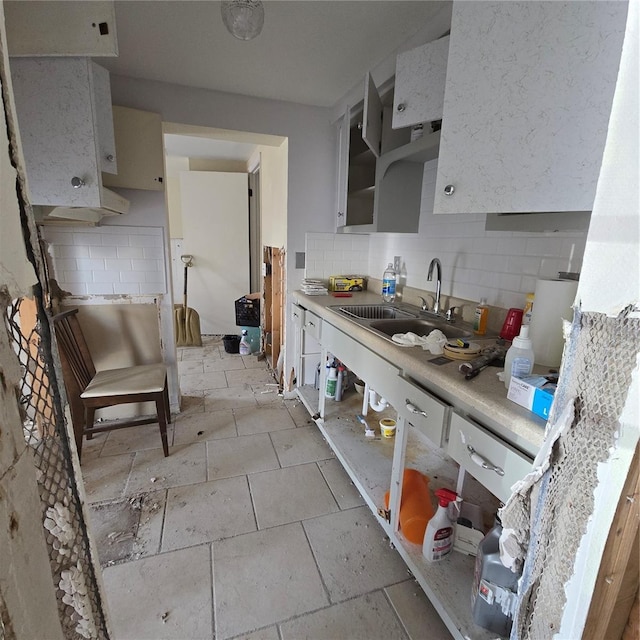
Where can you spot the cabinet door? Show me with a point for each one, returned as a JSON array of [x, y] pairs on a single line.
[[56, 118], [103, 116], [342, 169], [419, 87], [61, 28], [138, 140], [528, 95], [372, 117]]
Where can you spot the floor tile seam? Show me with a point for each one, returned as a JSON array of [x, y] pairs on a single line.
[[393, 606], [214, 634], [126, 484], [326, 482], [336, 604], [168, 487]]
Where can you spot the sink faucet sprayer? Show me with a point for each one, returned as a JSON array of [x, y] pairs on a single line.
[[436, 304]]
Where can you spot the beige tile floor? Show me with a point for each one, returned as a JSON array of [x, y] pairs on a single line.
[[249, 529]]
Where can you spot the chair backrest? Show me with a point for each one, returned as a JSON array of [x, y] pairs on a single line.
[[77, 364]]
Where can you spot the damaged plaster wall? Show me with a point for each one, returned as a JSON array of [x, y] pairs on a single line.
[[26, 585]]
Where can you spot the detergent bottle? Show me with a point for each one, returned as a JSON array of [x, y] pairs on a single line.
[[438, 537]]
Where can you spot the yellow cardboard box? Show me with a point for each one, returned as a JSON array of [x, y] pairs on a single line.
[[346, 283]]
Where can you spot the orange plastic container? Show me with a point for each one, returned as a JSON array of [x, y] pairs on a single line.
[[416, 508]]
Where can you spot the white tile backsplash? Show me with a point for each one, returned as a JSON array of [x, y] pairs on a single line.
[[108, 260], [502, 266], [329, 254]]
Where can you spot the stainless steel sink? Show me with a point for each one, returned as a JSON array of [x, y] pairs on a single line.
[[385, 320], [374, 311], [419, 326]]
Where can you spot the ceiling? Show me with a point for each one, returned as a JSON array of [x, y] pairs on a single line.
[[310, 51]]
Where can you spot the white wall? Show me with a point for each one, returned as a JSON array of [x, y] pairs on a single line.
[[273, 195], [311, 147]]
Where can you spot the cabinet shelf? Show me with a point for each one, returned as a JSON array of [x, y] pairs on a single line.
[[367, 192], [368, 464]]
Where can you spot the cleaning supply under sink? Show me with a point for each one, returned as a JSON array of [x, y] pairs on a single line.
[[438, 536]]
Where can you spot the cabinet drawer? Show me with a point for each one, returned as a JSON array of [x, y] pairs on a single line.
[[493, 462], [297, 316], [424, 411], [312, 324], [380, 374]]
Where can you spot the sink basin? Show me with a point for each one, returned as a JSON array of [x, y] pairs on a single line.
[[374, 311], [419, 326]]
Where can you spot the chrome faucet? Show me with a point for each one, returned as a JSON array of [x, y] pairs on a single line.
[[436, 262]]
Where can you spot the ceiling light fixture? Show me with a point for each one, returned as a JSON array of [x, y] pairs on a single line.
[[243, 18]]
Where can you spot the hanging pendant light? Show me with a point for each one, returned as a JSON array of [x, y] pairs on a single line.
[[243, 18]]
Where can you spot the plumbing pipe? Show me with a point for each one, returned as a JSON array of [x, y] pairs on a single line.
[[376, 405]]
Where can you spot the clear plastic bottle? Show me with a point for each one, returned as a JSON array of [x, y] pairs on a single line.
[[389, 284], [245, 347], [519, 359]]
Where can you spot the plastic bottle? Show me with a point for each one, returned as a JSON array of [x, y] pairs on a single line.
[[480, 318], [438, 537], [339, 383], [389, 284], [332, 380], [494, 586], [245, 347], [519, 359], [415, 505]]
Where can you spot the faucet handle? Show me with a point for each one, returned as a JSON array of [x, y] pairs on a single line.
[[424, 306], [450, 316]]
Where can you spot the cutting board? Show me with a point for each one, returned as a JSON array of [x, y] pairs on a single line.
[[455, 352]]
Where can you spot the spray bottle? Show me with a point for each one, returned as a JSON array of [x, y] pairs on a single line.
[[438, 537]]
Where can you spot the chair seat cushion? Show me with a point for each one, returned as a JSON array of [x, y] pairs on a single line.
[[148, 378]]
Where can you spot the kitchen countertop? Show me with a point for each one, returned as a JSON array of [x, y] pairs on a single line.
[[483, 398]]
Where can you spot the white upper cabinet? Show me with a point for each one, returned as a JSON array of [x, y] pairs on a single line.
[[528, 94], [138, 136], [419, 87], [63, 106], [61, 28]]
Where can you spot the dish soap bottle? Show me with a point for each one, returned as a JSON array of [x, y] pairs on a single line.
[[389, 284], [519, 359], [438, 537], [481, 317], [245, 347]]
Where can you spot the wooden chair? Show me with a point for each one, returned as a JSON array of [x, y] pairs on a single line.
[[89, 390]]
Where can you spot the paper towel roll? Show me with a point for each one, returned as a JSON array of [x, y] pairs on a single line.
[[553, 301]]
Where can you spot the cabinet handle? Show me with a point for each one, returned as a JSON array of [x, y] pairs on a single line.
[[411, 408], [360, 125], [110, 158], [449, 190], [483, 462], [340, 214], [76, 182], [401, 107], [310, 324]]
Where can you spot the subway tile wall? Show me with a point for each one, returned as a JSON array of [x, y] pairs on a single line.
[[501, 266], [332, 254], [107, 260]]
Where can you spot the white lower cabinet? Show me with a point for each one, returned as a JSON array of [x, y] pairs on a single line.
[[376, 466]]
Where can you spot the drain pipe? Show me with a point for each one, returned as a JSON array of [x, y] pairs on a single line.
[[377, 405]]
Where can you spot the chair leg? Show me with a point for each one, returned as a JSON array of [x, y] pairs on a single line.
[[162, 422], [165, 395], [89, 419]]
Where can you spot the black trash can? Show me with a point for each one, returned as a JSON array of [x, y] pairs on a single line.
[[231, 343]]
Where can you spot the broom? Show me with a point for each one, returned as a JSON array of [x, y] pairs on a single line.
[[187, 320]]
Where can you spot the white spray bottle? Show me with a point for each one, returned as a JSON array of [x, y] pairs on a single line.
[[438, 536]]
